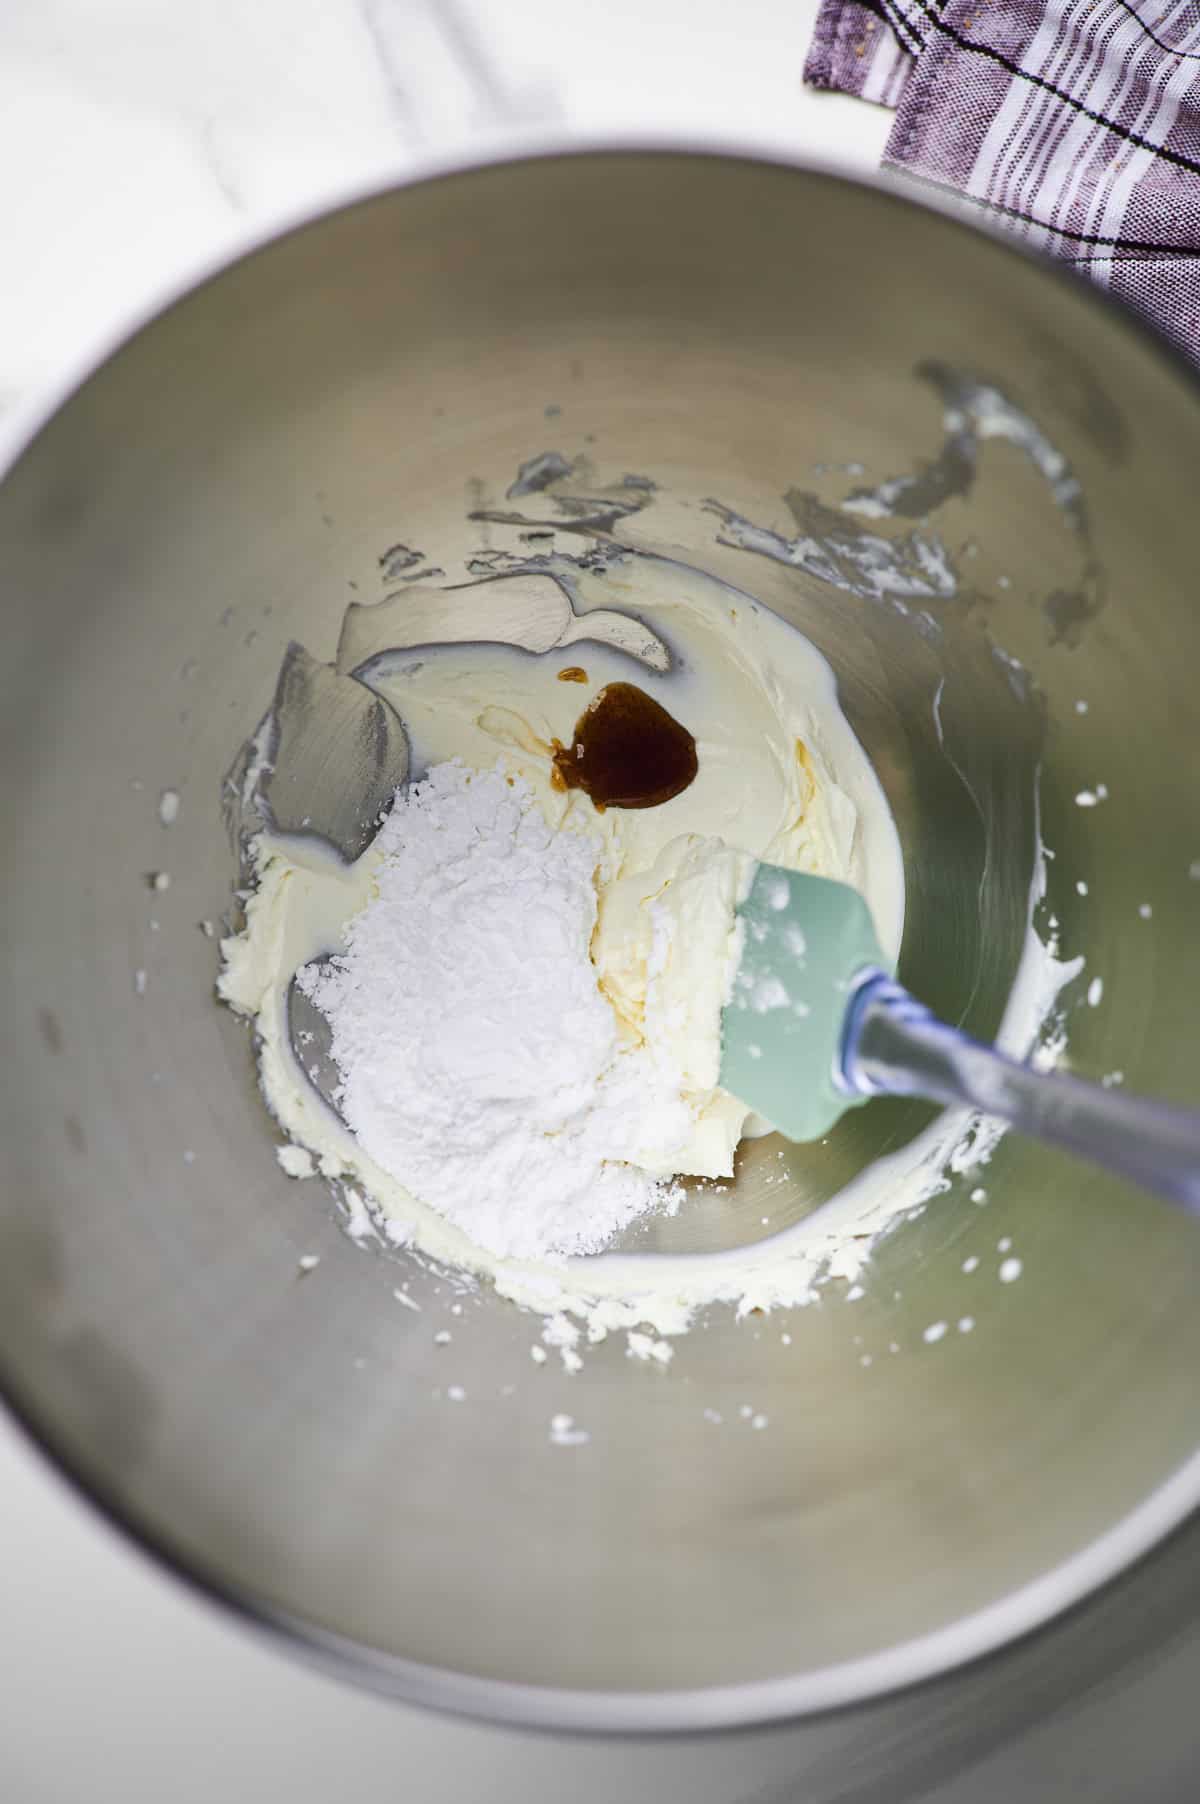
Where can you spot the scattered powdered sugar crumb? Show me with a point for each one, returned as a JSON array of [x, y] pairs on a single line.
[[1145, 910], [1004, 1245], [1111, 1079], [357, 1218], [1081, 887], [646, 1347], [1194, 870], [976, 1146], [1046, 1055], [768, 994], [442, 1338], [456, 1393], [777, 891], [759, 1421], [139, 982], [561, 1332], [855, 1293], [1081, 707], [538, 1355], [563, 1432], [207, 929], [934, 1332], [1095, 992], [1092, 798], [308, 1262], [168, 807], [189, 1157], [160, 880], [713, 1415], [297, 1161], [480, 1063], [1010, 1271], [965, 1324], [971, 1264], [402, 1296], [794, 940], [979, 1194]]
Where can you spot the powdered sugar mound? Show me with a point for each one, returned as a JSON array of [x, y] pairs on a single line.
[[480, 1063]]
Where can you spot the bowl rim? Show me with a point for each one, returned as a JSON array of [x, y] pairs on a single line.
[[752, 1703]]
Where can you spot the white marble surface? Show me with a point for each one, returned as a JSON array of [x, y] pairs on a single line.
[[139, 142]]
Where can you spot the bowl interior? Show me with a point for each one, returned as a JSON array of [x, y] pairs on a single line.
[[770, 347]]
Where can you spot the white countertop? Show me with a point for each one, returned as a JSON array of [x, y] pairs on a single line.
[[138, 143]]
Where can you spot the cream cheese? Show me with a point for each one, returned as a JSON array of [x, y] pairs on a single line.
[[781, 778]]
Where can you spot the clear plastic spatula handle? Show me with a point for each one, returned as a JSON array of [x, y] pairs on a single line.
[[893, 1045]]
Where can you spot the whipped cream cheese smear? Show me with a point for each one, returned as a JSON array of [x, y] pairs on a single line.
[[780, 777]]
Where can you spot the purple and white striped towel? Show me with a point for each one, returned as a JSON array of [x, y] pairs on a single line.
[[1076, 121]]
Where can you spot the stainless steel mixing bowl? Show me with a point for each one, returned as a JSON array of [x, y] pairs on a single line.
[[227, 481]]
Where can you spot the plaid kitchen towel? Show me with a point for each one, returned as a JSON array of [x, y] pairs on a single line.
[[1076, 121]]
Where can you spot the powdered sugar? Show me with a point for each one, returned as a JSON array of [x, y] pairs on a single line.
[[480, 1064]]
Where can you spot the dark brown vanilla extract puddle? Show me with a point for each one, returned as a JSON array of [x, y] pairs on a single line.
[[628, 752]]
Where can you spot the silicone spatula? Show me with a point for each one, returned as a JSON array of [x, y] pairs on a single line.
[[815, 1024]]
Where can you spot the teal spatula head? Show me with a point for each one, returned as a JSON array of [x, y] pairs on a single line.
[[814, 1024], [806, 943]]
